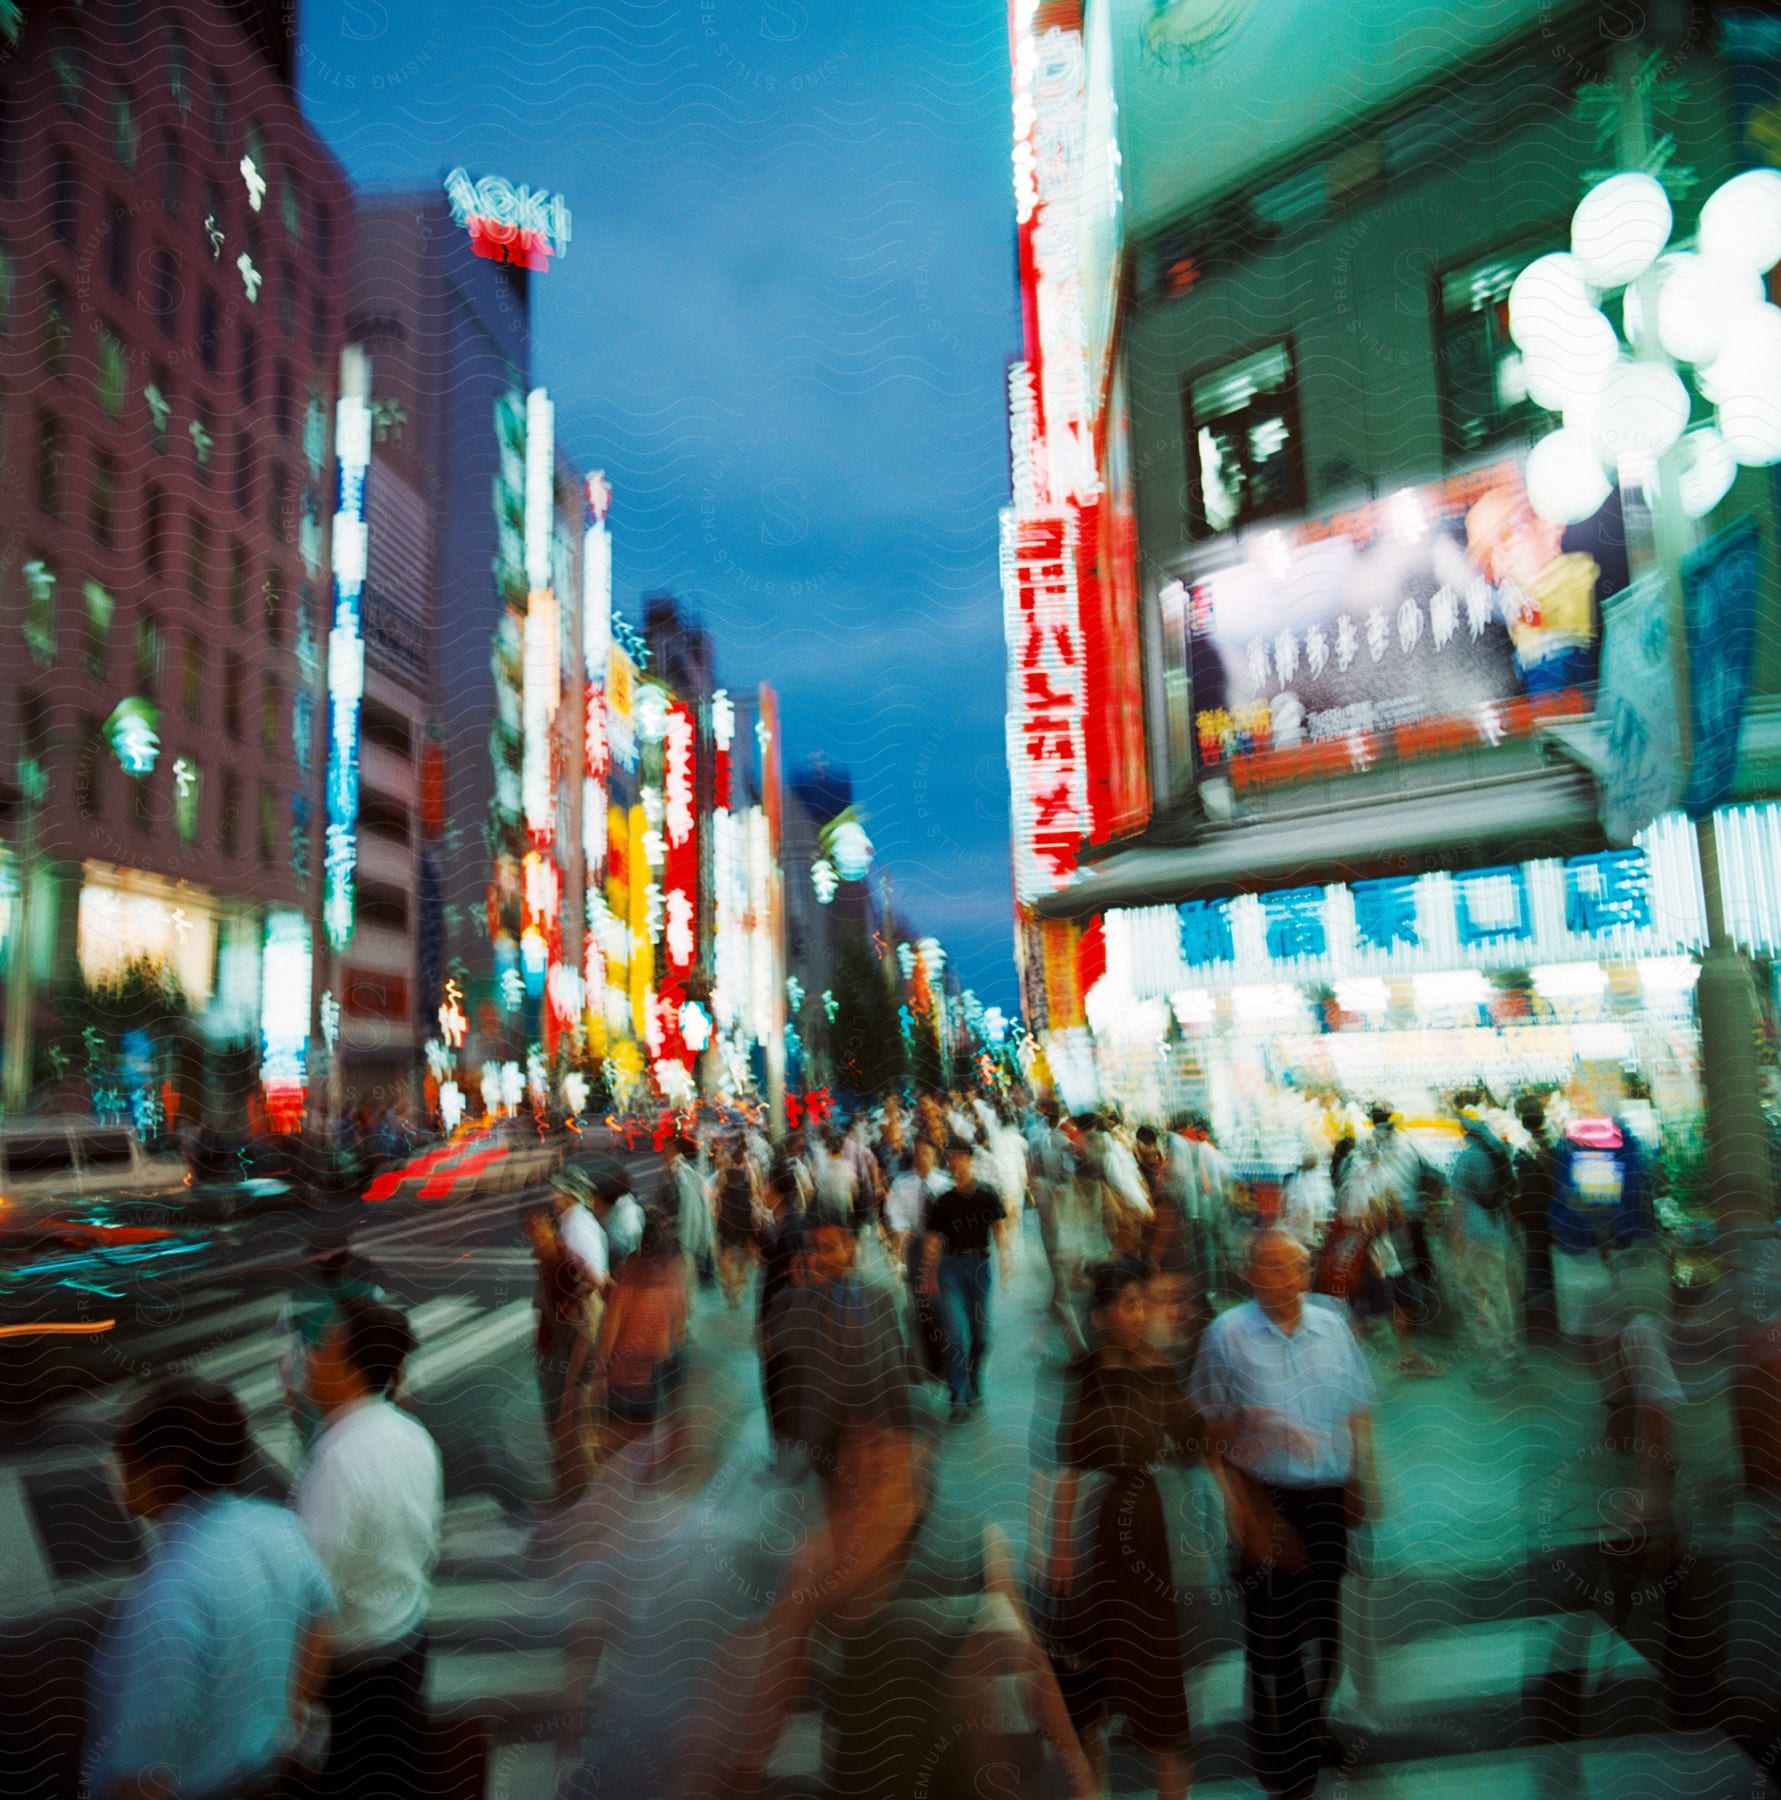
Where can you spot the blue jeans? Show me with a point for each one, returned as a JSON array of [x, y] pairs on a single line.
[[964, 1312]]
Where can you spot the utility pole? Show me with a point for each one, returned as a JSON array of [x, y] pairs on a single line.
[[20, 973]]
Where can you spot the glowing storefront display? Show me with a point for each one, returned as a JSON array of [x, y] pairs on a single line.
[[286, 968], [126, 917], [346, 645], [520, 225]]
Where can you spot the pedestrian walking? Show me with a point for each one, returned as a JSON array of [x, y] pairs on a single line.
[[1287, 1396], [637, 1357], [1486, 1252], [563, 1346], [203, 1679], [738, 1210], [331, 1279], [782, 1249], [371, 1499], [961, 1226], [1110, 1561], [685, 1206], [1536, 1178]]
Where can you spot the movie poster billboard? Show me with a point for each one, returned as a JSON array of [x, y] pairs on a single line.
[[1433, 619]]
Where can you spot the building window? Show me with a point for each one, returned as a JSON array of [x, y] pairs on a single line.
[[163, 296], [229, 825], [203, 441], [237, 585], [246, 472], [1245, 458], [158, 396], [105, 498], [284, 401], [96, 626], [209, 330], [287, 299], [142, 801], [117, 251], [64, 200], [46, 467], [191, 676], [111, 373], [271, 716], [383, 906], [89, 771], [290, 208], [179, 76], [58, 328], [173, 180], [149, 650], [1484, 397], [126, 135], [278, 490], [266, 825], [64, 65], [188, 798], [232, 695], [250, 367], [219, 110], [197, 559], [318, 327], [40, 608], [154, 533], [273, 596]]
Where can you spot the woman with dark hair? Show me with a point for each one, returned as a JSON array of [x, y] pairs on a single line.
[[738, 1218], [642, 1333], [201, 1682], [1125, 1413]]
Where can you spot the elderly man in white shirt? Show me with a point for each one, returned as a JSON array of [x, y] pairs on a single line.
[[370, 1499]]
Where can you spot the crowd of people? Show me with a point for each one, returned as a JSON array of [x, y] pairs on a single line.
[[1200, 1321]]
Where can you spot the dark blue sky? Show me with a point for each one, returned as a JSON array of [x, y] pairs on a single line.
[[781, 328]]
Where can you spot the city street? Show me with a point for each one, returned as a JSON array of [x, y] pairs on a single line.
[[1478, 1597]]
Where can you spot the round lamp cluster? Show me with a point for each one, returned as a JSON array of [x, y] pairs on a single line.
[[1621, 411]]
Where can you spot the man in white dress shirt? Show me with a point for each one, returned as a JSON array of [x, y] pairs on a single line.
[[370, 1499]]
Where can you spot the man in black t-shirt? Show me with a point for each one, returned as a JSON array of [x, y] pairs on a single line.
[[960, 1226]]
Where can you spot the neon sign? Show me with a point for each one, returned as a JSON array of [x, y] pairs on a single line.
[[134, 734], [346, 645], [509, 224]]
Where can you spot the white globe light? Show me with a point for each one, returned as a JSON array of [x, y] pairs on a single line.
[[1574, 364], [1550, 291], [1749, 358], [1698, 303], [1644, 409], [1565, 481], [1741, 221], [1619, 227], [850, 850], [1708, 469], [1751, 423]]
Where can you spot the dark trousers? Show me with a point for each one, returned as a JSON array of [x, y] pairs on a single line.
[[964, 1309], [377, 1711], [1292, 1629]]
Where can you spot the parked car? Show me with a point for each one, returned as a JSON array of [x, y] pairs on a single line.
[[54, 1159]]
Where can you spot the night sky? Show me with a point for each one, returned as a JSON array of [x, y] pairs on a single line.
[[781, 328]]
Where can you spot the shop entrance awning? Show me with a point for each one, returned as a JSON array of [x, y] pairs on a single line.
[[1551, 812]]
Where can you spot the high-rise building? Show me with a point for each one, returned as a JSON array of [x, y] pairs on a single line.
[[174, 239]]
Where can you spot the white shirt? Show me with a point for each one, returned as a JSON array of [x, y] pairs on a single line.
[[585, 1241], [624, 1225], [370, 1500], [906, 1206]]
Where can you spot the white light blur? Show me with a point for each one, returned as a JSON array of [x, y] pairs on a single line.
[[1457, 987], [1364, 994], [1570, 981]]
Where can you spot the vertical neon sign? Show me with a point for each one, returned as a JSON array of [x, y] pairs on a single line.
[[346, 644]]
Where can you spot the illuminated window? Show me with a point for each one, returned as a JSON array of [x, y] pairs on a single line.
[[1245, 460], [1484, 397], [111, 373], [117, 250], [105, 479], [290, 209], [149, 650], [188, 798], [237, 586], [58, 329], [126, 135], [40, 608], [64, 199], [96, 626], [266, 824], [232, 695], [198, 560], [191, 676], [46, 466], [271, 716], [229, 823]]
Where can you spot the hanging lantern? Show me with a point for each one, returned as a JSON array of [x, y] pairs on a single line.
[[1619, 227]]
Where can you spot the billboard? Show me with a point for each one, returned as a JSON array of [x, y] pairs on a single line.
[[1433, 619]]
